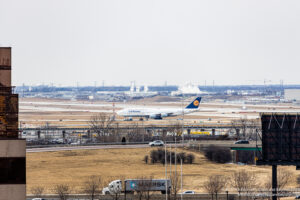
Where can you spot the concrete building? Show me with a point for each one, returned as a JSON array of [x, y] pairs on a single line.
[[292, 94], [12, 149]]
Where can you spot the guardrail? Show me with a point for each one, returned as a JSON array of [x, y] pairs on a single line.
[[221, 196], [99, 144], [155, 126], [221, 143]]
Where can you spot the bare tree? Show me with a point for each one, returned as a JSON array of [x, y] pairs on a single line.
[[243, 181], [115, 133], [214, 185], [92, 186], [175, 186], [240, 126], [141, 187], [283, 178], [298, 181], [245, 128], [148, 191], [62, 191], [134, 133], [144, 187], [255, 126], [101, 124], [176, 129], [37, 191]]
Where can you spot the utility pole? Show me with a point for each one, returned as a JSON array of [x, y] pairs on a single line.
[[175, 156], [182, 121], [181, 179], [170, 160], [274, 182], [166, 172]]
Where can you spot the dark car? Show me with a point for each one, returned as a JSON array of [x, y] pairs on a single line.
[[242, 142]]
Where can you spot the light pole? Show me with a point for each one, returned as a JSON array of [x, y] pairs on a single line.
[[170, 160], [182, 135], [182, 145], [181, 178], [175, 157], [166, 172]]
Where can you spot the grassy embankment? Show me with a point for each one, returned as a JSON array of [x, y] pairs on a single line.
[[74, 167]]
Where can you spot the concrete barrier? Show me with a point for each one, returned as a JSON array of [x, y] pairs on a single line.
[[136, 197]]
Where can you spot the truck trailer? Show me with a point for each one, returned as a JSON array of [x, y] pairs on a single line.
[[138, 185]]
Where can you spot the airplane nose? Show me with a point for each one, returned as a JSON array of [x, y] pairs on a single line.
[[119, 112]]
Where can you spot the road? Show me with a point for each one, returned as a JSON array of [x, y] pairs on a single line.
[[193, 144], [68, 148]]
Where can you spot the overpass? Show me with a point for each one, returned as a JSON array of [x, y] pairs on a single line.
[[147, 127], [253, 145]]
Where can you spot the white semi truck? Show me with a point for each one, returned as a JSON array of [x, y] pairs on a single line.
[[136, 185]]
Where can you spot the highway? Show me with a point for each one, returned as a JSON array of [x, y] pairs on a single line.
[[193, 144], [68, 148], [86, 127]]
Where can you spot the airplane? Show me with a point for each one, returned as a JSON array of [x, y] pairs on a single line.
[[159, 113]]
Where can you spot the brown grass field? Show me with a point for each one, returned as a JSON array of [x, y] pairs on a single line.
[[74, 167]]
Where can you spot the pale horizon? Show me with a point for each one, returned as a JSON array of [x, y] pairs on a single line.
[[152, 42]]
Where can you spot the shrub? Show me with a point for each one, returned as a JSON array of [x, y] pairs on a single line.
[[246, 157], [154, 156], [298, 180], [146, 159], [181, 156], [158, 156], [37, 191], [161, 154], [218, 154], [162, 161], [190, 158]]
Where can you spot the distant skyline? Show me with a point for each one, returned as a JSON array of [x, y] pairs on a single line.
[[152, 42], [142, 85]]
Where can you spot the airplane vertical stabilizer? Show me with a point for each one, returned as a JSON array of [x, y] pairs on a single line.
[[195, 104]]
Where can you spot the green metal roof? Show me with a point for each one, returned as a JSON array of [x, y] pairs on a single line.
[[246, 148]]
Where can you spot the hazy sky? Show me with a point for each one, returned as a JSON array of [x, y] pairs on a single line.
[[228, 41]]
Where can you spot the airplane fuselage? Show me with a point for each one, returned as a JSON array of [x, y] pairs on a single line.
[[154, 113], [160, 113]]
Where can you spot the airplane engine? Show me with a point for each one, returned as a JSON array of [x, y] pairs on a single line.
[[164, 115], [156, 116]]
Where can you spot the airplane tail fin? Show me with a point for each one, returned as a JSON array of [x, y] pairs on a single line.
[[195, 104]]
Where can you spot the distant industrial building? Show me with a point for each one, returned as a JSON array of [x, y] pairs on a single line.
[[292, 94], [12, 149], [136, 93], [187, 90]]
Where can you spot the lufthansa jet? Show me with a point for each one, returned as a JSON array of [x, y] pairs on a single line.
[[159, 113]]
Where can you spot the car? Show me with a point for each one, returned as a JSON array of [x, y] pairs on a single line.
[[38, 199], [188, 192], [75, 143], [242, 142], [156, 143]]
